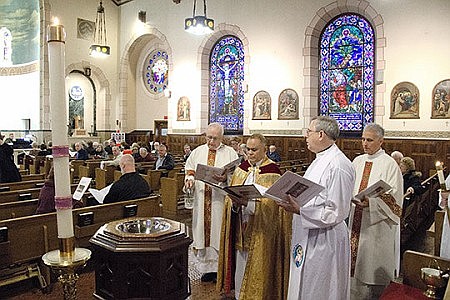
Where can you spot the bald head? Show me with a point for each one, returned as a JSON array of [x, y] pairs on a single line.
[[127, 164]]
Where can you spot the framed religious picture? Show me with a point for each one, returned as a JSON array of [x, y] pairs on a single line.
[[441, 100], [262, 104], [405, 101], [288, 105], [184, 109]]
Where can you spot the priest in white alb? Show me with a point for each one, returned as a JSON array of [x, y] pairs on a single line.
[[320, 248], [375, 222], [208, 203]]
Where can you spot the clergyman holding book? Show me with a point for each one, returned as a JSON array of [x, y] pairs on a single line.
[[254, 231], [207, 208], [320, 245]]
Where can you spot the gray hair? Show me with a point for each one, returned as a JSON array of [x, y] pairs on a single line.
[[377, 129], [328, 125], [217, 126]]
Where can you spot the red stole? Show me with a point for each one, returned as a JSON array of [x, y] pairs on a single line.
[[207, 201], [357, 218]]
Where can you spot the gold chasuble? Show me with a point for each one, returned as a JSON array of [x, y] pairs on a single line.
[[266, 237]]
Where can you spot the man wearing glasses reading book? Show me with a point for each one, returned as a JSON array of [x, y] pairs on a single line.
[[375, 221], [254, 250], [208, 202], [320, 248]]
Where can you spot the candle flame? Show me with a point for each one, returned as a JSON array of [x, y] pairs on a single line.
[[55, 21], [438, 164]]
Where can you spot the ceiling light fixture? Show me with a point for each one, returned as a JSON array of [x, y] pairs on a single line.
[[199, 25], [99, 48]]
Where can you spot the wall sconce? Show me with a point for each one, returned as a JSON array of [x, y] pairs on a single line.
[[199, 25], [142, 16]]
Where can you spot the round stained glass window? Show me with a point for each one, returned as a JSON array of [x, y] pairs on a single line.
[[156, 71]]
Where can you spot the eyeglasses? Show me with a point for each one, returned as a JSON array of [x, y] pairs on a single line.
[[309, 131]]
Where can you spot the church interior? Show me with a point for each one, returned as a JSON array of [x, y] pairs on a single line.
[[157, 79]]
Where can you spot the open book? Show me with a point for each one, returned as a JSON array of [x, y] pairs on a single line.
[[290, 183], [99, 195], [375, 190], [81, 188], [205, 173]]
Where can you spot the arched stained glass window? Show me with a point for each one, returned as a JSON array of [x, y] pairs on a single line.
[[347, 72], [226, 75]]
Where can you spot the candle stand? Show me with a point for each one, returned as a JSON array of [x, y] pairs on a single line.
[[65, 263]]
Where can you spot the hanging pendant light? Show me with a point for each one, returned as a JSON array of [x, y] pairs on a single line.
[[199, 25], [99, 48]]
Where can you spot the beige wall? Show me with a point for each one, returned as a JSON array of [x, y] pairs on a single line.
[[416, 50]]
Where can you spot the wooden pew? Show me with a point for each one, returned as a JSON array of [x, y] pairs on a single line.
[[418, 216], [75, 164], [154, 179], [33, 177], [104, 177], [22, 185], [172, 197], [26, 206], [32, 236], [88, 170], [18, 209], [18, 195]]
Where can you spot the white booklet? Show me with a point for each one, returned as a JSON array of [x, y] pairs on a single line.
[[290, 183], [375, 190], [205, 173], [81, 188], [99, 195]]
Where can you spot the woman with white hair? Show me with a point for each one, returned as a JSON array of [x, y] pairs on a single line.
[[411, 180]]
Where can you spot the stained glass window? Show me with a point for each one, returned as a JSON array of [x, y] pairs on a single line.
[[347, 72], [226, 75], [156, 71]]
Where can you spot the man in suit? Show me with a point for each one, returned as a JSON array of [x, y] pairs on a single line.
[[165, 161], [82, 153]]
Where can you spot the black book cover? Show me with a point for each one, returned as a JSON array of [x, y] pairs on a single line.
[[130, 210], [86, 219], [3, 234], [26, 196]]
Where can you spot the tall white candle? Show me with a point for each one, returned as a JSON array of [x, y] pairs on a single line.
[[63, 198], [440, 172]]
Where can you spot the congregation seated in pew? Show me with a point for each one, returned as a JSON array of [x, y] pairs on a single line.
[[131, 184]]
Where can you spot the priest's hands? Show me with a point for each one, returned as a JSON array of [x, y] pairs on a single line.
[[220, 177], [188, 184], [363, 203], [290, 205]]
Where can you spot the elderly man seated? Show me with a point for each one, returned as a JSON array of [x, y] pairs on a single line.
[[115, 162], [130, 186], [144, 156]]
